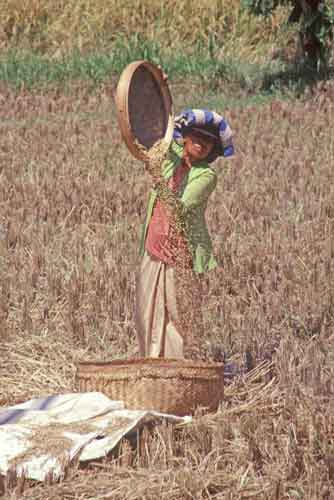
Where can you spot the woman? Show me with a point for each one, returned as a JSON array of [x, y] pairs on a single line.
[[176, 245]]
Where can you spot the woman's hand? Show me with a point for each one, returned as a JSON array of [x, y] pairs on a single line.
[[163, 74]]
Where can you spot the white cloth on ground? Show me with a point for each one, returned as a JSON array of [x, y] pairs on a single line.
[[87, 426]]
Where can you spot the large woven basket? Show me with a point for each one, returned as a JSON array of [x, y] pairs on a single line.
[[165, 385]]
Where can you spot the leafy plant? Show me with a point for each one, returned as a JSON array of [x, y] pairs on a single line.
[[263, 7], [316, 25]]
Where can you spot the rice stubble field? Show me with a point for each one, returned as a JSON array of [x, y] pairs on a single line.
[[71, 203]]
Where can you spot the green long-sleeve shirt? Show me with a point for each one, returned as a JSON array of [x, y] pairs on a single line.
[[195, 190]]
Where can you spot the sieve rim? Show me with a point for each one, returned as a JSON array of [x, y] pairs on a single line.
[[122, 106]]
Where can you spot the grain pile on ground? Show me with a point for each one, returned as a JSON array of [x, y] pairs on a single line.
[[71, 202], [48, 439]]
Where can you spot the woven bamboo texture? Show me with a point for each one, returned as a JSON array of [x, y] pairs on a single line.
[[144, 107], [166, 385]]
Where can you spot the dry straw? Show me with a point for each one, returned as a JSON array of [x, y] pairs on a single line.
[[71, 204]]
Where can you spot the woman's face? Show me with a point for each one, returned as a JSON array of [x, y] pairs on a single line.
[[197, 146]]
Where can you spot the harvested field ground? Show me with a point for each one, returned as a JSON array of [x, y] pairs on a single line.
[[71, 203]]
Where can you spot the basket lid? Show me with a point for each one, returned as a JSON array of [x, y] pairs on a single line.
[[144, 107]]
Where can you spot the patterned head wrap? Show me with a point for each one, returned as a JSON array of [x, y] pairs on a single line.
[[209, 123]]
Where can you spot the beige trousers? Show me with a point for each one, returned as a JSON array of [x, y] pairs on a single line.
[[168, 310]]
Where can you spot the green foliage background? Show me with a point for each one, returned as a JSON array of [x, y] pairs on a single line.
[[316, 23]]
